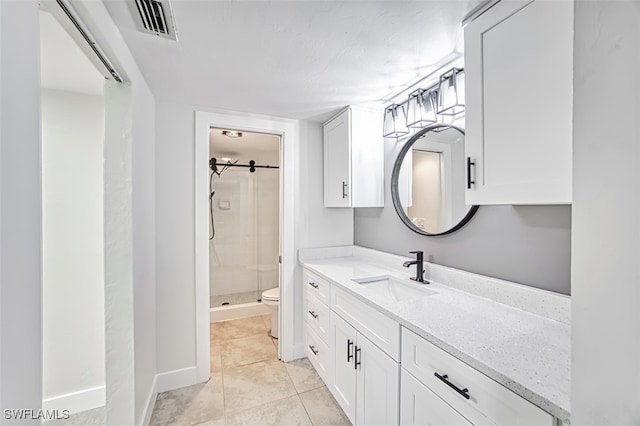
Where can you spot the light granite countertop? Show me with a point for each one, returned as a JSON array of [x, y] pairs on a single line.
[[527, 353]]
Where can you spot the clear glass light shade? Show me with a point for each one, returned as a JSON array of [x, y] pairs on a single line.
[[421, 108], [451, 92], [395, 121]]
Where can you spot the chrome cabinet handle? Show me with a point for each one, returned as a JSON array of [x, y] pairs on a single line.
[[344, 190], [313, 314], [314, 285], [464, 392], [313, 349]]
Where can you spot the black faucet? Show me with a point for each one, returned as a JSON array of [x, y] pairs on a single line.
[[419, 262]]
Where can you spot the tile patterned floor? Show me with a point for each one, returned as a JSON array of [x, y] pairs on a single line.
[[249, 385]]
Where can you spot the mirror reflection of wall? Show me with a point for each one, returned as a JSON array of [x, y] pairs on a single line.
[[427, 210], [430, 180]]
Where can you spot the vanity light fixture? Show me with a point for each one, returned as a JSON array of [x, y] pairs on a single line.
[[232, 134], [451, 92], [395, 121], [421, 108], [436, 104]]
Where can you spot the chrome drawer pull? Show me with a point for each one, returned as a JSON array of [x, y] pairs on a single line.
[[313, 349], [464, 392], [313, 314], [314, 285]]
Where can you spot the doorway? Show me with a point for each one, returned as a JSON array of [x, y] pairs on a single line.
[[244, 219], [73, 134], [287, 130]]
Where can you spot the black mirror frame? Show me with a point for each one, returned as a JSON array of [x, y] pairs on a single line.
[[395, 196]]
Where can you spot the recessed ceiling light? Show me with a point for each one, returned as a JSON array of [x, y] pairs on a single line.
[[226, 159], [232, 134]]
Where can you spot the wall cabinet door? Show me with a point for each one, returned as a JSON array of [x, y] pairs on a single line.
[[337, 161], [421, 407], [519, 73], [377, 388], [354, 159], [344, 373]]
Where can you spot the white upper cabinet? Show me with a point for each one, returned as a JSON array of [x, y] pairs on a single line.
[[519, 71], [353, 159]]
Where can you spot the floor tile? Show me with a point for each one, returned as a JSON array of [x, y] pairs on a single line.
[[216, 358], [236, 329], [267, 321], [247, 350], [323, 410], [218, 422], [256, 384], [191, 405], [303, 375], [286, 411]]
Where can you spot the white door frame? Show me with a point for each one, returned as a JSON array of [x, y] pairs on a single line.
[[288, 131]]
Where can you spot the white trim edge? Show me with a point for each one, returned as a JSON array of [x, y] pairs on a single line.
[[76, 402], [225, 313], [151, 402], [177, 379]]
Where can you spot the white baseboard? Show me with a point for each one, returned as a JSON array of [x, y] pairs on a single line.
[[226, 313], [76, 402], [176, 379], [151, 402]]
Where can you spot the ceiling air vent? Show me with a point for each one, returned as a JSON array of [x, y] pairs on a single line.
[[154, 17]]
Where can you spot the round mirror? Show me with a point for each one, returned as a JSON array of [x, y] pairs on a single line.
[[428, 181]]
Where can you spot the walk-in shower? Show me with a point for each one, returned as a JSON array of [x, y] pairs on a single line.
[[244, 208]]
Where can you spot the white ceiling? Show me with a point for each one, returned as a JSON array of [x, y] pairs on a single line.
[[63, 66], [297, 59]]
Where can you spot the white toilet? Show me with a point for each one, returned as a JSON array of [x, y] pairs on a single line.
[[271, 298]]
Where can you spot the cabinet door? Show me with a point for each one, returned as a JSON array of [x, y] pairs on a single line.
[[337, 161], [519, 73], [343, 383], [421, 407], [378, 385]]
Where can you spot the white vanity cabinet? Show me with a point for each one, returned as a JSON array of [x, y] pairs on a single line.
[[365, 379], [518, 72], [354, 159]]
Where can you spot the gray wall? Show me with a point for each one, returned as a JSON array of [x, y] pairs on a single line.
[[529, 245]]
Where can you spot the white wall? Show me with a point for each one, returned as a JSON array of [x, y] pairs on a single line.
[[20, 218], [72, 253], [606, 206], [315, 226]]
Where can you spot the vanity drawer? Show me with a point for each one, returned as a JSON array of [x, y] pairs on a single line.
[[316, 285], [377, 327], [420, 406], [318, 353], [317, 316], [489, 403]]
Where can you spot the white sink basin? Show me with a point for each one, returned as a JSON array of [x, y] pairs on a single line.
[[394, 288]]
